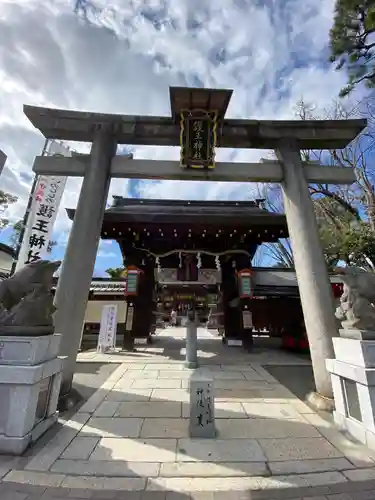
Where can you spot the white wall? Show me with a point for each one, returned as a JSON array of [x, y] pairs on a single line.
[[6, 262], [94, 310]]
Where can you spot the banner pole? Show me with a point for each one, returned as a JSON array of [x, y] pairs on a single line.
[[27, 214]]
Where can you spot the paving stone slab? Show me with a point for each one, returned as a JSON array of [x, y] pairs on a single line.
[[165, 428], [219, 450], [34, 478], [151, 409], [360, 474], [111, 468], [309, 466], [178, 374], [240, 395], [170, 395], [43, 460], [210, 469], [227, 375], [136, 450], [124, 383], [128, 394], [104, 483], [112, 427], [137, 374], [165, 366], [298, 449], [263, 428], [80, 448], [272, 411], [214, 484], [358, 454], [106, 409], [233, 384], [159, 383], [14, 495], [4, 471]]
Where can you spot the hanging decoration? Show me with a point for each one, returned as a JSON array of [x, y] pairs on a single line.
[[217, 263], [199, 260], [234, 264]]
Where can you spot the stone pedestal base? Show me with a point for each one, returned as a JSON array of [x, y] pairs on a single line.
[[30, 378], [353, 382]]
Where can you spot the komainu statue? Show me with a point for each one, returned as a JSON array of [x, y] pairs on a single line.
[[26, 300], [357, 303]]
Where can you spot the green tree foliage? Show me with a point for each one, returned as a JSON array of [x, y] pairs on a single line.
[[16, 233], [115, 272], [6, 199], [343, 236], [345, 214], [352, 41]]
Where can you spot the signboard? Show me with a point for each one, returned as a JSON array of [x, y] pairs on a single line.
[[247, 319], [108, 328], [129, 318], [43, 212], [198, 138], [245, 284], [131, 285]]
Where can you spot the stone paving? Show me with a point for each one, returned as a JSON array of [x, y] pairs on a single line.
[[130, 439]]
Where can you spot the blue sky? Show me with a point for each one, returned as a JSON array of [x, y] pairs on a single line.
[[121, 56]]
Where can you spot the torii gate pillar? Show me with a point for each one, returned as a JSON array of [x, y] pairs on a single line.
[[311, 269], [80, 254]]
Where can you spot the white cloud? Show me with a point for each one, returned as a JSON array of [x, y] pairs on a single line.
[[122, 56]]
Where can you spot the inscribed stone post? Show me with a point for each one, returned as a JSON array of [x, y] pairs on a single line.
[[202, 414]]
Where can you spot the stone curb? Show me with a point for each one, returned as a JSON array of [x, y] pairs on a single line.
[[262, 492]]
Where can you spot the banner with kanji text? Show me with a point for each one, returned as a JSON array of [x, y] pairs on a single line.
[[45, 203]]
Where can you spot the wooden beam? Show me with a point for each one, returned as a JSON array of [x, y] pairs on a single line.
[[125, 168]]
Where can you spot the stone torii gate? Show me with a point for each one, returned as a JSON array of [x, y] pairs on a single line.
[[287, 138]]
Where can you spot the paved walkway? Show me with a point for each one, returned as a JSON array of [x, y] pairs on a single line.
[[130, 439]]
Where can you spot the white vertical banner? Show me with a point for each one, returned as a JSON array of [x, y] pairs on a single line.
[[43, 212], [108, 328]]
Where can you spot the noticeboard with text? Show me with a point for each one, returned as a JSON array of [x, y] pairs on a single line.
[[198, 136], [245, 284]]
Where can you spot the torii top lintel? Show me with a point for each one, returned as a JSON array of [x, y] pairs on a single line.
[[165, 131]]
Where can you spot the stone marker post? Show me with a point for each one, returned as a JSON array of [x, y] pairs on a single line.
[[191, 341], [202, 414]]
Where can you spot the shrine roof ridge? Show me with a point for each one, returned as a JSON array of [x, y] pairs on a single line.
[[121, 201], [164, 131], [136, 211], [179, 208]]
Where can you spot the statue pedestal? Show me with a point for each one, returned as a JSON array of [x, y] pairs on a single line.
[[353, 380], [30, 378]]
